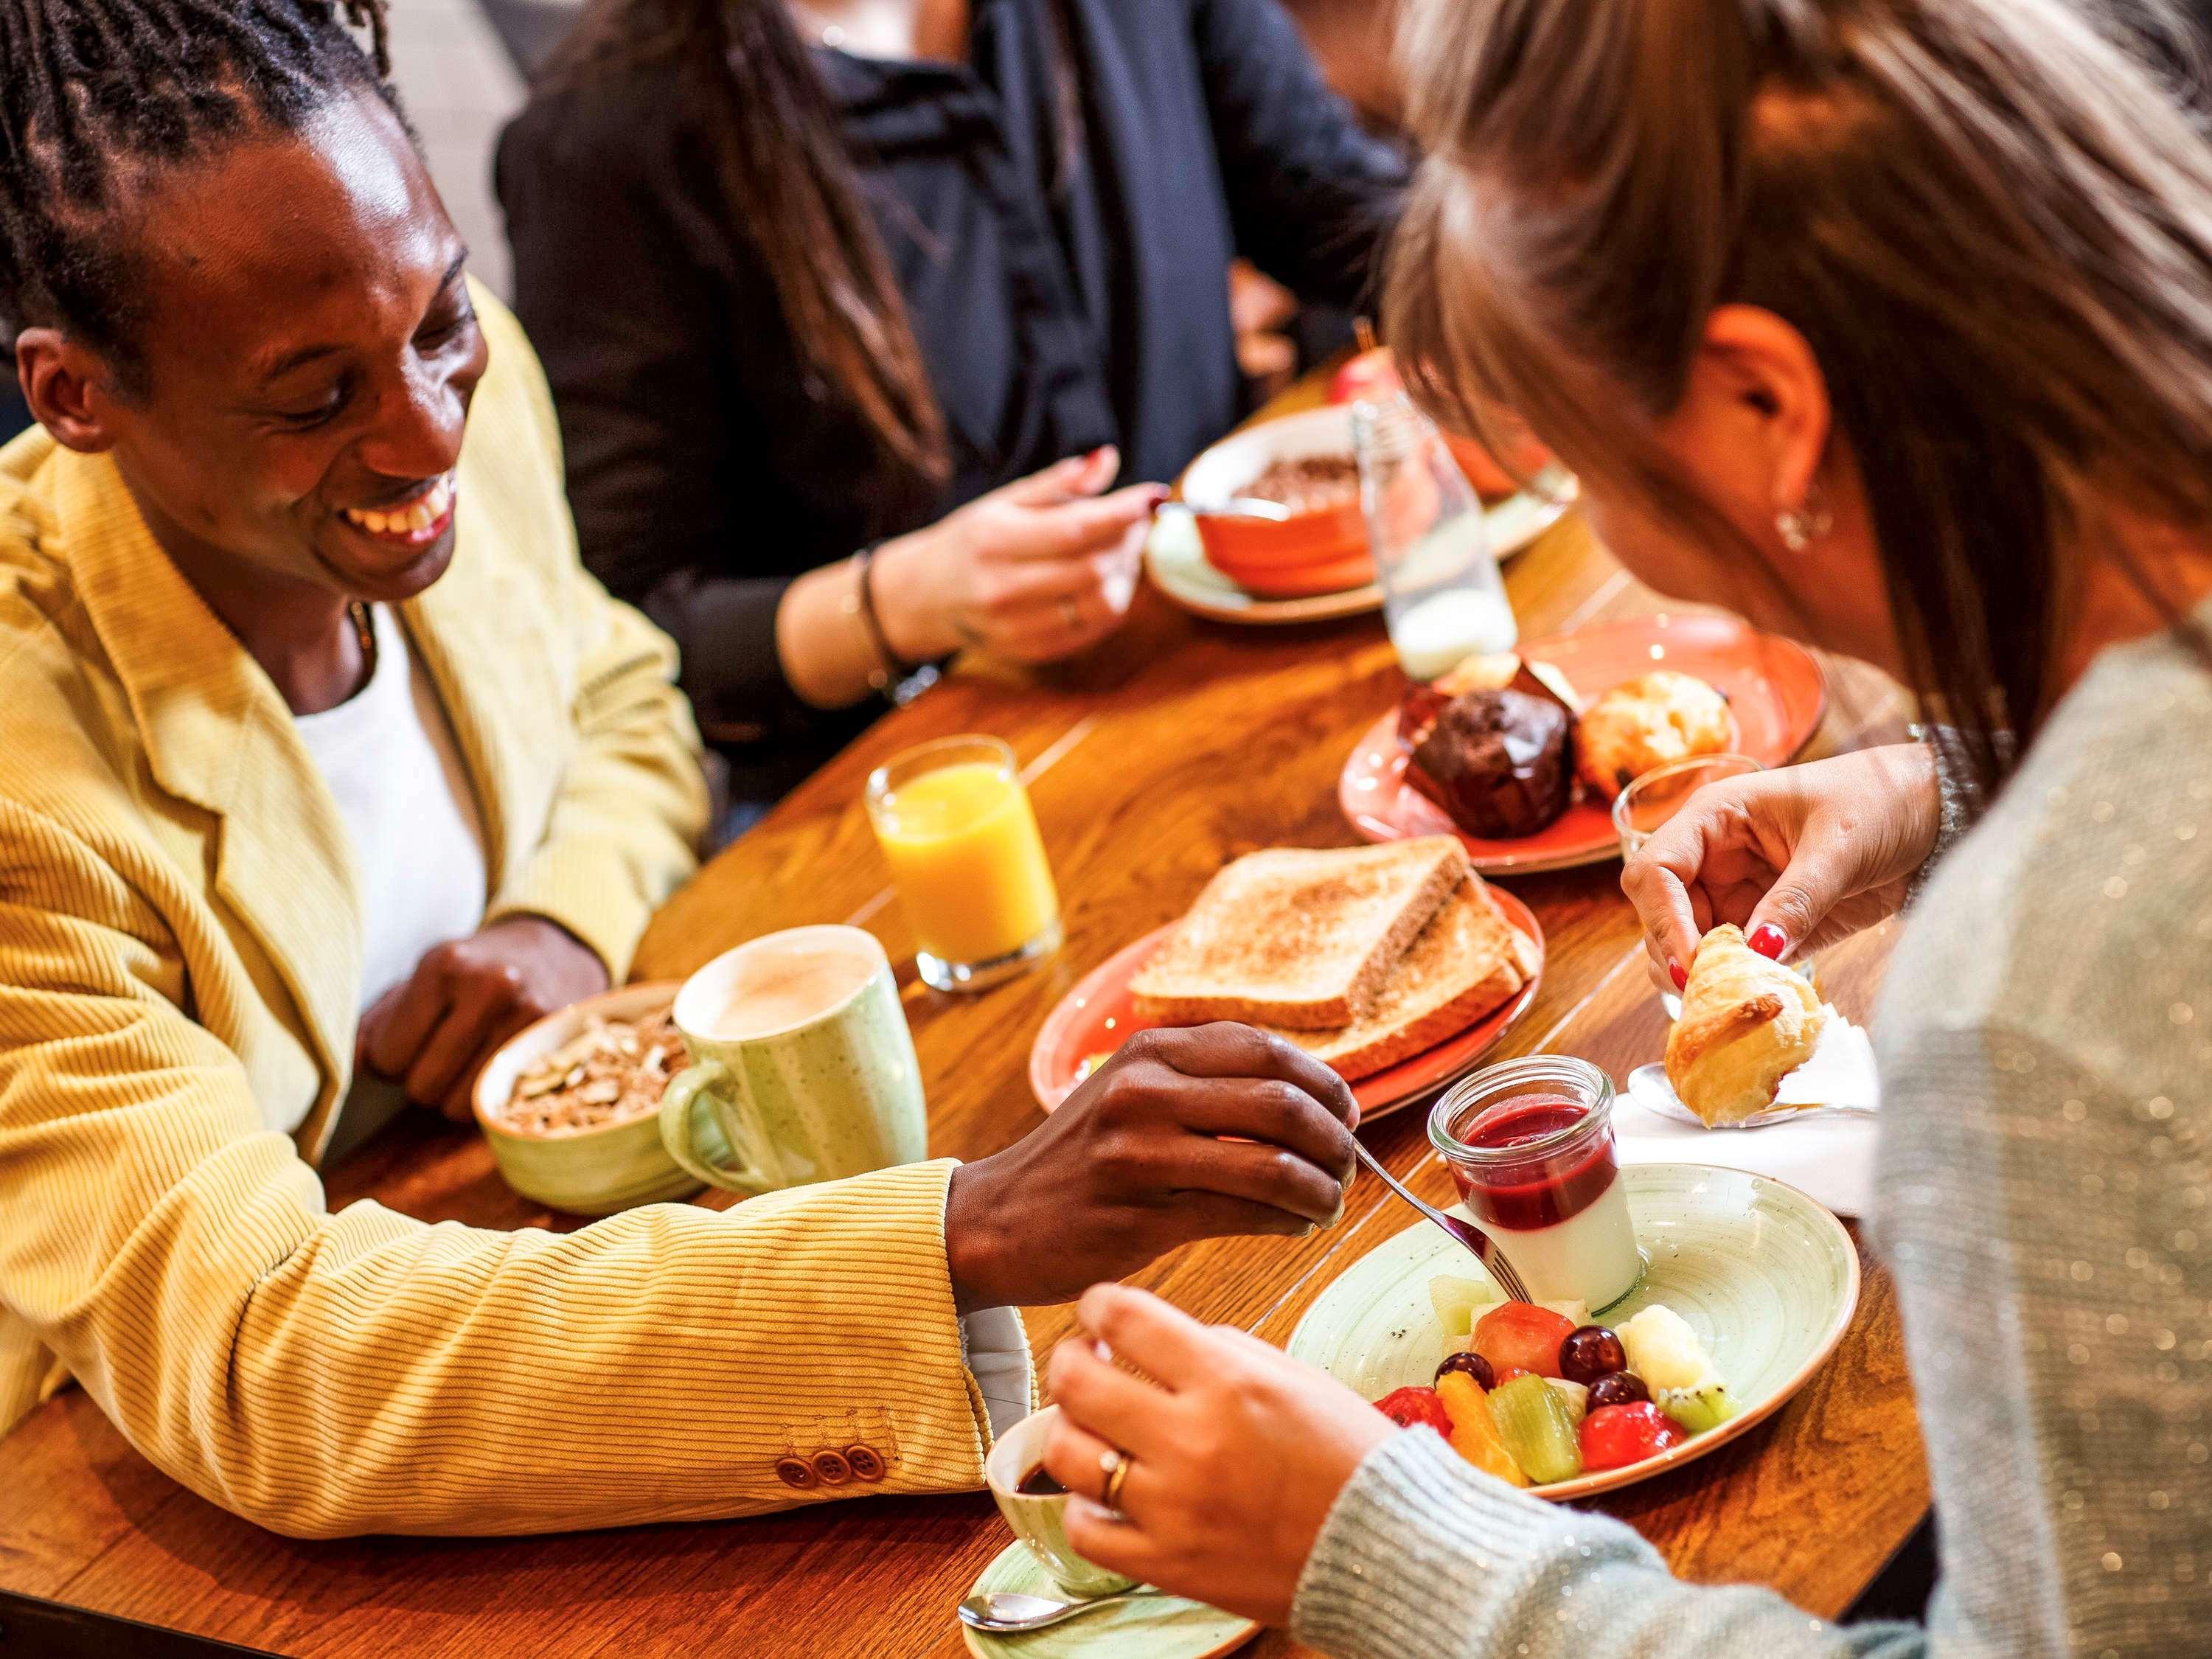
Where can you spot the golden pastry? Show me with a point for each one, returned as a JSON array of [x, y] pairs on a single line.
[[1747, 1022], [1655, 718]]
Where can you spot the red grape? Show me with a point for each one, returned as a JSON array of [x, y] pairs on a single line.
[[1618, 1389], [1589, 1352], [1474, 1364]]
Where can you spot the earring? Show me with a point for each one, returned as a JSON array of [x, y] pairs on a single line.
[[1800, 526]]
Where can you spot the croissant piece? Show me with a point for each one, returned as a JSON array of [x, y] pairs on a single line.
[[1747, 1022]]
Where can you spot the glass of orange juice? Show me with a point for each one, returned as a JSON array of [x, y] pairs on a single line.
[[958, 829]]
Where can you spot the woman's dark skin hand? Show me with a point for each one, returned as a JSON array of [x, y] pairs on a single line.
[[434, 1031], [1799, 858], [1184, 1135]]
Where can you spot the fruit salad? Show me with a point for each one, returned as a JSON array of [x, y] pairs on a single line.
[[1537, 1393]]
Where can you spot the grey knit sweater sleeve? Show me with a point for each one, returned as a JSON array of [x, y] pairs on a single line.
[[1425, 1558], [2043, 1201]]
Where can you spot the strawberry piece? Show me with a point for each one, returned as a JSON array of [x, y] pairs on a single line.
[[1411, 1408], [1615, 1435]]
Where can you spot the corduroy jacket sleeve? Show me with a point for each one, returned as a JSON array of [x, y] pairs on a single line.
[[632, 803], [359, 1372]]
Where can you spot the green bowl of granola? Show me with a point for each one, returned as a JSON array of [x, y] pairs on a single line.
[[571, 1105]]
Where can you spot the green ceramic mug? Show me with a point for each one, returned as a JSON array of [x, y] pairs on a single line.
[[802, 1064]]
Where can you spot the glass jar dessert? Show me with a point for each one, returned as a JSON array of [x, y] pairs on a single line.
[[1529, 1145]]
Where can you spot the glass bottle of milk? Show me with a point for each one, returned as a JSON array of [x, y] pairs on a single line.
[[1442, 598]]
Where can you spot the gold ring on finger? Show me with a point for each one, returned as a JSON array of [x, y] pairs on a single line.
[[1115, 1467]]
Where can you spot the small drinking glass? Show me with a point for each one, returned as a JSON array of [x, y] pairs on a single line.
[[957, 830], [1529, 1145], [1640, 810], [1443, 599], [1648, 803]]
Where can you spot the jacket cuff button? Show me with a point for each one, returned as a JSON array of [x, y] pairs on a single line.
[[867, 1464], [796, 1471], [832, 1467]]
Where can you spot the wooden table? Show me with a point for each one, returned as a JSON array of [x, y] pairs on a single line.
[[1177, 747]]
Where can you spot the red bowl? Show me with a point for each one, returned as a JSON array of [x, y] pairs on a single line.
[[1322, 552], [1492, 480]]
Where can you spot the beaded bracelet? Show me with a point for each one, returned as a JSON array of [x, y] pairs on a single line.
[[893, 676], [861, 602]]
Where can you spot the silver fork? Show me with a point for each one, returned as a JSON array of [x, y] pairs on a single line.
[[1470, 1236]]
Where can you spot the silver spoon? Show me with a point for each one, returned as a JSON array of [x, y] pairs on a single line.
[[1236, 506], [1469, 1235], [1009, 1613]]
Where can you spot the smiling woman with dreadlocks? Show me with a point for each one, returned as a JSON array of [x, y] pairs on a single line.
[[324, 757]]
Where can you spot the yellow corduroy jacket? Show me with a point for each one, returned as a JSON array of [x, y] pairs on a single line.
[[179, 959]]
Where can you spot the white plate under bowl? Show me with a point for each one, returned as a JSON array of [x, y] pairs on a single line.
[[1766, 1278], [1176, 560]]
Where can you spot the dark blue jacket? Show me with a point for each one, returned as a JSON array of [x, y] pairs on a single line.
[[1056, 310]]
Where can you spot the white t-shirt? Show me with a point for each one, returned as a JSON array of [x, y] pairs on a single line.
[[389, 758], [418, 847]]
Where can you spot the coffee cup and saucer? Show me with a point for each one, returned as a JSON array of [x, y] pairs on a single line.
[[1041, 1563]]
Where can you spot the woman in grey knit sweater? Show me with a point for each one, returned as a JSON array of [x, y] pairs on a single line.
[[1889, 322]]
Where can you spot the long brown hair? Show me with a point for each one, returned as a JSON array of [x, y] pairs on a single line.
[[789, 184], [1991, 220]]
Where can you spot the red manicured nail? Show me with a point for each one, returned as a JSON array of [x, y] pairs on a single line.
[[1767, 940], [1675, 972]]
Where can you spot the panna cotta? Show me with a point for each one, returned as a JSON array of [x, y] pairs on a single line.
[[1529, 1145]]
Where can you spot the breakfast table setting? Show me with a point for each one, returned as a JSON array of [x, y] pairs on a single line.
[[1223, 721]]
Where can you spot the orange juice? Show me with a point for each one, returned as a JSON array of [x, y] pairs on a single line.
[[963, 845]]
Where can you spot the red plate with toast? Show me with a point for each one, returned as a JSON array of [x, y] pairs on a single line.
[[1098, 1016], [1774, 689]]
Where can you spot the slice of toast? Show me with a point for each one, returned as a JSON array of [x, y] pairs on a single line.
[[1469, 961], [1297, 938]]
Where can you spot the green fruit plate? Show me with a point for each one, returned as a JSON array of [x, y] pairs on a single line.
[[1765, 1276]]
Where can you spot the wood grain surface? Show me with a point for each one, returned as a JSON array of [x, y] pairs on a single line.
[[1177, 746]]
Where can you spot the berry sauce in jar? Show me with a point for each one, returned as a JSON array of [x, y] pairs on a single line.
[[1529, 1145]]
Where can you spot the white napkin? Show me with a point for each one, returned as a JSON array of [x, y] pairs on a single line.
[[1828, 1154]]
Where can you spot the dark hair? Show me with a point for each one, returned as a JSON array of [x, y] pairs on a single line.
[[87, 83], [789, 184], [1991, 219]]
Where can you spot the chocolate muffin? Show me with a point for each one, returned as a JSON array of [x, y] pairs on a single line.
[[1498, 762]]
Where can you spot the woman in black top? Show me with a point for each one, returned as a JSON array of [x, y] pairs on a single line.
[[814, 280]]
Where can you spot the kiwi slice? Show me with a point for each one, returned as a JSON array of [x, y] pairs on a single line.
[[1705, 1406], [1537, 1428]]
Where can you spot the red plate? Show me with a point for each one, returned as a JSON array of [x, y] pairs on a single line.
[[1095, 1017], [1774, 686]]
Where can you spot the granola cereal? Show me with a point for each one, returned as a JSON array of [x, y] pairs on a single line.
[[611, 1071]]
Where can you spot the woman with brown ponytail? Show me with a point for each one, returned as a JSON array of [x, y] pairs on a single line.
[[1891, 321], [923, 277]]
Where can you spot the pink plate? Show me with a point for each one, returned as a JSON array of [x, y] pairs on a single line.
[[1096, 1018], [1774, 686]]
